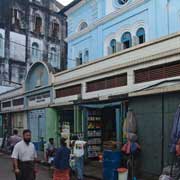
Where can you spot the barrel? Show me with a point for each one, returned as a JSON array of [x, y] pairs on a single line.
[[111, 162]]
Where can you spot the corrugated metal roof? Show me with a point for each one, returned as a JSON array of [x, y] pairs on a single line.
[[162, 87], [73, 3], [4, 89]]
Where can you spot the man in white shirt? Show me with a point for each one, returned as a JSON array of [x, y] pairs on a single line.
[[24, 156], [78, 152]]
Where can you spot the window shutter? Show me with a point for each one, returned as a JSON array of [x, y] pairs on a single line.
[[22, 24], [77, 61], [109, 50], [13, 20], [135, 40], [118, 47], [13, 16], [122, 46], [18, 15]]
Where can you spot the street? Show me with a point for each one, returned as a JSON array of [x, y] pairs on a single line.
[[7, 174]]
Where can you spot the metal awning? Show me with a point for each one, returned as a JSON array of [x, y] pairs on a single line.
[[101, 106], [162, 87]]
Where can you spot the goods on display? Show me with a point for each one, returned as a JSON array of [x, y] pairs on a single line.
[[94, 133]]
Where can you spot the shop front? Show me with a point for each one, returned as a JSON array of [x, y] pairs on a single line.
[[6, 123], [43, 124], [19, 121], [42, 120], [102, 127]]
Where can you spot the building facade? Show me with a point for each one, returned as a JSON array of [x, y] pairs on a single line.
[[30, 31], [146, 80], [29, 106], [94, 97], [100, 28]]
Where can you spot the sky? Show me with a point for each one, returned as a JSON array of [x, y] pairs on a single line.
[[65, 2]]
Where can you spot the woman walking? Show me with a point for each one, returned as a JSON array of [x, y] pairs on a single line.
[[61, 162]]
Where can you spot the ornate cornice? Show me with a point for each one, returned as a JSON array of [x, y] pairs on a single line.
[[106, 18], [77, 6]]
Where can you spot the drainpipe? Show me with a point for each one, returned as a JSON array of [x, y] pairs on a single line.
[[162, 135]]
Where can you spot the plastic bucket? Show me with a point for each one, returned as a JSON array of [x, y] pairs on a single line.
[[122, 174]]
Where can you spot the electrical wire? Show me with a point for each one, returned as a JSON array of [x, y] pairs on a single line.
[[39, 50]]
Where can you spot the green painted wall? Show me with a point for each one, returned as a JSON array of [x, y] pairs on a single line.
[[78, 120], [52, 130]]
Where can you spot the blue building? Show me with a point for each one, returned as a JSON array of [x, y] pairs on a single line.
[[100, 28]]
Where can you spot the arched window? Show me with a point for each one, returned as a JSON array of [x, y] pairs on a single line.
[[122, 2], [16, 16], [141, 35], [53, 57], [126, 40], [79, 59], [38, 24], [113, 46], [82, 26], [86, 55], [55, 29], [35, 51]]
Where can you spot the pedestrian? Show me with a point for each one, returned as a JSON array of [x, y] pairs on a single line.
[[14, 139], [50, 150], [78, 152], [61, 162], [24, 156]]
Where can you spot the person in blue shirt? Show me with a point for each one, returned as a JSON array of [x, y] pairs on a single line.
[[61, 162]]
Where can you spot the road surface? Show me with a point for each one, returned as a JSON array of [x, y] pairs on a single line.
[[6, 172]]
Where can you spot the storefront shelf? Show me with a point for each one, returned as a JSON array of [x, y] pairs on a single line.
[[92, 129], [95, 144], [94, 150], [90, 137]]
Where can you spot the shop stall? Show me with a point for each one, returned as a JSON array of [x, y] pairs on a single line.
[[103, 132]]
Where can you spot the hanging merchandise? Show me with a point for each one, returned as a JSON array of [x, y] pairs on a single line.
[[65, 133], [131, 147], [129, 129], [124, 130], [130, 126]]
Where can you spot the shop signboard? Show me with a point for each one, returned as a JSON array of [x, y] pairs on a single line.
[[39, 99], [103, 98]]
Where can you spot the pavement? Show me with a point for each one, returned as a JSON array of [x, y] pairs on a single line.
[[6, 172]]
